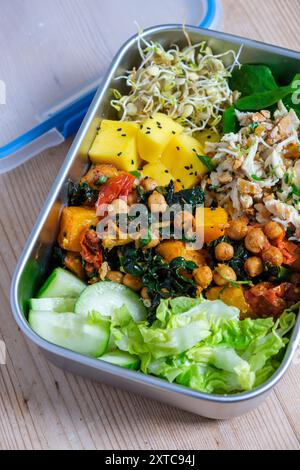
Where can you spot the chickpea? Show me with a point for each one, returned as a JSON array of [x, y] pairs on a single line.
[[273, 256], [223, 274], [224, 251], [273, 230], [133, 282], [254, 266], [255, 240], [118, 206], [144, 293], [149, 184], [203, 276], [157, 202], [115, 276], [237, 230], [132, 198], [184, 219]]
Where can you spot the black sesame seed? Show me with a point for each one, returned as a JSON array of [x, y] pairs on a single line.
[[141, 126], [132, 162], [119, 129], [196, 173], [191, 166], [187, 167], [151, 117], [166, 171], [177, 148], [119, 154], [149, 128], [178, 180], [123, 135], [191, 174], [173, 132], [194, 150], [148, 132], [158, 123]]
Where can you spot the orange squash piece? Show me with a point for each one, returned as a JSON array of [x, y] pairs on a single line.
[[212, 221], [171, 249], [74, 220], [232, 296]]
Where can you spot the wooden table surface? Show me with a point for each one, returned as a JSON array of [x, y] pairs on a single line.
[[44, 407]]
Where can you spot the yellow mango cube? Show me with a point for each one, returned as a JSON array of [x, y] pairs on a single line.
[[180, 157], [115, 143], [154, 135], [158, 172], [74, 220]]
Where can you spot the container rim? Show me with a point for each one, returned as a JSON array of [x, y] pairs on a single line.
[[113, 370]]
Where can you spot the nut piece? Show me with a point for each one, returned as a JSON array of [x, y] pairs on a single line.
[[203, 276], [273, 256], [254, 266], [237, 230], [255, 240], [224, 251], [224, 274]]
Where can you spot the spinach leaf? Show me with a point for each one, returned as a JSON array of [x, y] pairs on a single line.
[[263, 100], [207, 161], [230, 121], [292, 101], [251, 79], [81, 193]]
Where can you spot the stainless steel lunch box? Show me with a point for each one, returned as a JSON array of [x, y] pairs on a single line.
[[33, 265]]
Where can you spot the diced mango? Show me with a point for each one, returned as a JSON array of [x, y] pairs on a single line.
[[232, 296], [207, 135], [180, 157], [171, 249], [158, 172], [212, 221], [154, 135], [74, 220], [115, 143]]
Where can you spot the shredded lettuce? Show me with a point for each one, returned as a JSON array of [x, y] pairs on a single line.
[[203, 345]]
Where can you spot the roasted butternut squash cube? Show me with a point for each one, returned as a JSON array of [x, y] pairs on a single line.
[[232, 296], [74, 220], [115, 143], [158, 172], [171, 249], [154, 135], [180, 157], [212, 221], [72, 261]]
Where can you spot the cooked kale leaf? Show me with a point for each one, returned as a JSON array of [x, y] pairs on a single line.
[[81, 193]]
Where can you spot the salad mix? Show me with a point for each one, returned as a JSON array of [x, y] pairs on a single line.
[[178, 253]]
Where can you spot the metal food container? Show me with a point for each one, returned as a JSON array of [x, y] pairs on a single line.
[[34, 264]]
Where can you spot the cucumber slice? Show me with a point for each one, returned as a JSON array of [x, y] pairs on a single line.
[[61, 283], [105, 296], [80, 334], [122, 359], [55, 304]]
